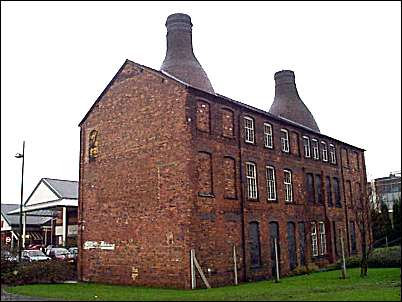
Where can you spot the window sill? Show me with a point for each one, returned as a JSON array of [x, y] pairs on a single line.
[[232, 137], [252, 199], [203, 194], [204, 131], [230, 197], [249, 143]]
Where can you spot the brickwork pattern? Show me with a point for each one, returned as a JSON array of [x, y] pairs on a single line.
[[155, 157]]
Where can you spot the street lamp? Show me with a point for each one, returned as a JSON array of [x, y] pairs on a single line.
[[19, 155]]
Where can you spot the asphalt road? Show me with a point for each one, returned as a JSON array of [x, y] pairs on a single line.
[[11, 297]]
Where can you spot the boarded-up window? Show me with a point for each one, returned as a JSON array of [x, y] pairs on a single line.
[[292, 246], [203, 119], [204, 173], [337, 193], [349, 193], [345, 158], [274, 235], [302, 242], [227, 123], [318, 189], [310, 187], [352, 237], [359, 195], [295, 143], [328, 190], [337, 245], [255, 249], [356, 160], [229, 177]]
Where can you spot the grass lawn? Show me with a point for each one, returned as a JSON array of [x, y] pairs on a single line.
[[379, 285]]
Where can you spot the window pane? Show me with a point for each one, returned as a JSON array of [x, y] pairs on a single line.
[[251, 180], [249, 129], [268, 135], [285, 140], [271, 189]]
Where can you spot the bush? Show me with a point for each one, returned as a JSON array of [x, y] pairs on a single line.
[[380, 257], [38, 272], [301, 270], [385, 257]]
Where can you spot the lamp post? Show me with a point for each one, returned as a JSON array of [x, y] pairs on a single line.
[[19, 155]]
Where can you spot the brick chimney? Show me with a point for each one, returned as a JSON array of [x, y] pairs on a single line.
[[287, 102], [180, 60]]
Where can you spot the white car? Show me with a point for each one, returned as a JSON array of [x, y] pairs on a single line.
[[33, 255]]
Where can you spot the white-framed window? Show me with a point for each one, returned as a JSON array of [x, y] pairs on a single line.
[[306, 146], [316, 151], [314, 244], [324, 151], [323, 240], [287, 180], [271, 188], [268, 142], [251, 175], [332, 155], [249, 129], [285, 140]]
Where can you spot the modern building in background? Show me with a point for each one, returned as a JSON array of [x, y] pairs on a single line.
[[169, 166], [385, 190], [37, 227], [57, 199]]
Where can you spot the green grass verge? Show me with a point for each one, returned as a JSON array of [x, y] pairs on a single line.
[[380, 285]]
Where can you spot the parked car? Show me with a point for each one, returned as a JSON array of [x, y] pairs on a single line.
[[48, 248], [73, 253], [34, 247], [33, 255], [7, 256], [59, 253]]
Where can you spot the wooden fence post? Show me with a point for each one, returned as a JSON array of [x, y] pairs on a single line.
[[276, 261], [235, 264], [343, 259], [193, 280]]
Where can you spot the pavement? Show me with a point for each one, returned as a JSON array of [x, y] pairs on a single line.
[[12, 297]]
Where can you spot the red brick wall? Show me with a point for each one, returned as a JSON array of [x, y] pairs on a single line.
[[159, 148], [216, 225], [135, 194]]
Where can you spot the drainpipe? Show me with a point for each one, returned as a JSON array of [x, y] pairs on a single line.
[[344, 199], [242, 201]]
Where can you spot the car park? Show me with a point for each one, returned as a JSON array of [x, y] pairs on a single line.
[[59, 253], [8, 256], [73, 253], [33, 255]]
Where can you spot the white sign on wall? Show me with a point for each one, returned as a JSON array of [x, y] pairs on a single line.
[[98, 245]]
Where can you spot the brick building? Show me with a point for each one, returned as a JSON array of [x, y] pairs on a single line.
[[167, 165]]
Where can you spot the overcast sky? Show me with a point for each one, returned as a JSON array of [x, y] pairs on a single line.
[[56, 58]]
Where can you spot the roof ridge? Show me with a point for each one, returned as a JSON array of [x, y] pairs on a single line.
[[48, 178]]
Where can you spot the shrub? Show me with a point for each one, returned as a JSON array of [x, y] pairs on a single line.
[[301, 270], [38, 272], [380, 257], [385, 257]]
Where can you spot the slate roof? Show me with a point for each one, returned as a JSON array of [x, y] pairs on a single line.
[[15, 219], [188, 86], [63, 188]]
